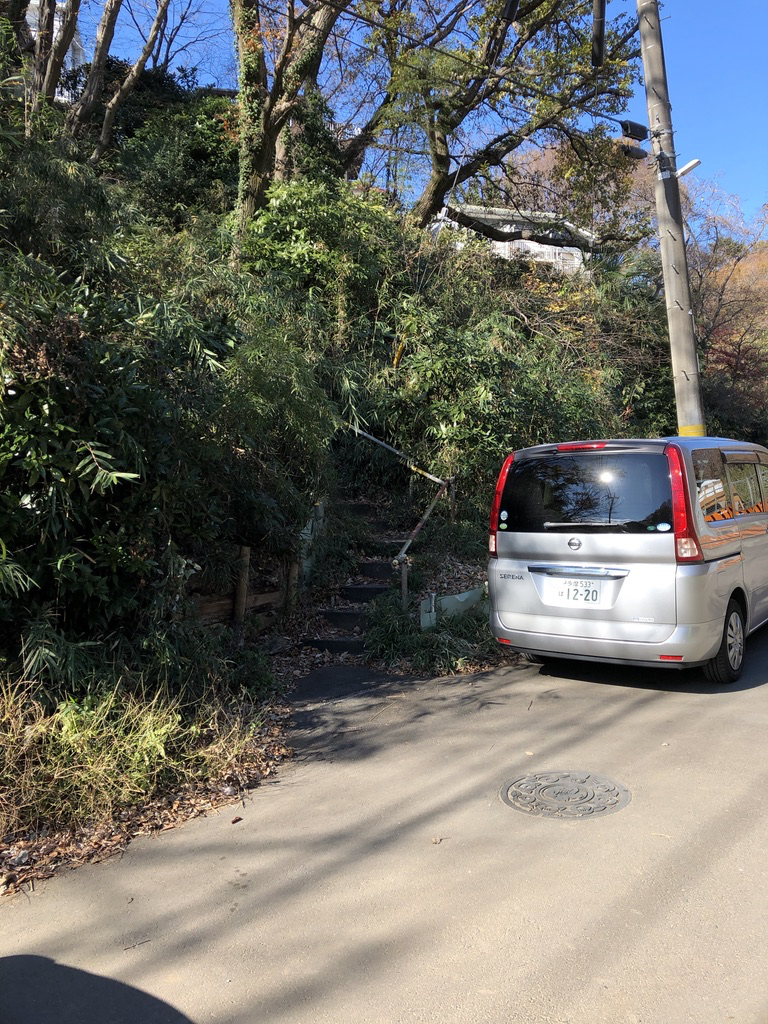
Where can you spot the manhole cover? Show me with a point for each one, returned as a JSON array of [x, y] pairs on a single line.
[[565, 795]]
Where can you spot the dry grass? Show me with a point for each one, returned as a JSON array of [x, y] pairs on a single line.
[[99, 762]]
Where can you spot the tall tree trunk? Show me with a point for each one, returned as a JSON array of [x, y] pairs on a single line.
[[82, 110], [433, 195], [15, 12], [257, 151], [353, 149], [46, 15], [127, 85], [60, 48], [431, 200], [268, 99], [256, 175], [49, 55], [283, 153]]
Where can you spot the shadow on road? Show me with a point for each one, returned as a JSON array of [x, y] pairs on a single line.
[[385, 860], [36, 990], [332, 682], [690, 680]]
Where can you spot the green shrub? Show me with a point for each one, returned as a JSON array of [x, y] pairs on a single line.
[[319, 234], [139, 441], [52, 205], [395, 636], [182, 160]]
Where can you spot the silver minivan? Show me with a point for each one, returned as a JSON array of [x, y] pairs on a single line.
[[643, 552]]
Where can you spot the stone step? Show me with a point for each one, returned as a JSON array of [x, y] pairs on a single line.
[[384, 547], [346, 618], [378, 525], [337, 644], [382, 570], [359, 507], [362, 593]]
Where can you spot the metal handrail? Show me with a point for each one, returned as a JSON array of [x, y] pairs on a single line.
[[400, 455], [396, 561], [401, 559]]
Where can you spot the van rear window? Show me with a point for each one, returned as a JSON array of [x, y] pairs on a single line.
[[604, 492]]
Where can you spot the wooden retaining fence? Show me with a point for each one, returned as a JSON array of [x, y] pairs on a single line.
[[262, 607]]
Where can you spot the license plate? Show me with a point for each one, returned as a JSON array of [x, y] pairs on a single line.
[[572, 593]]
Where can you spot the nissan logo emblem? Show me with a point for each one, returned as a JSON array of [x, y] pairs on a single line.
[[574, 543]]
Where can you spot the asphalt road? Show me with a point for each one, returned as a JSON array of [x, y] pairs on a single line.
[[382, 880]]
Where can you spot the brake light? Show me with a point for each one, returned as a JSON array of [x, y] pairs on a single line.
[[497, 503], [686, 543], [581, 446]]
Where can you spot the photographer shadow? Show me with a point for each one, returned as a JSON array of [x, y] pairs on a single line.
[[36, 990]]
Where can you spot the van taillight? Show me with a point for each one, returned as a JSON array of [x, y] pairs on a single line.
[[686, 543], [497, 503]]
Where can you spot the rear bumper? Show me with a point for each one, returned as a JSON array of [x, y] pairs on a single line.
[[694, 645]]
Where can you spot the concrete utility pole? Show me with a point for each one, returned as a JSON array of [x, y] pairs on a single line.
[[682, 339]]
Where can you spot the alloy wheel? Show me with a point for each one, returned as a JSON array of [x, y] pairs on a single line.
[[735, 640]]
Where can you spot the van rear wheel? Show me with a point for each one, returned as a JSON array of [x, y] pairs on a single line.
[[727, 664]]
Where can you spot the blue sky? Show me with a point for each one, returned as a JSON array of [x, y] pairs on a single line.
[[717, 68]]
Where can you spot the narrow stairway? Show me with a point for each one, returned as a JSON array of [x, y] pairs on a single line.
[[346, 613]]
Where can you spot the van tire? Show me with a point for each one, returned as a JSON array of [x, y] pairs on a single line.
[[727, 664]]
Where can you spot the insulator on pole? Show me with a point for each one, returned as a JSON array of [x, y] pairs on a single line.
[[510, 10], [634, 130]]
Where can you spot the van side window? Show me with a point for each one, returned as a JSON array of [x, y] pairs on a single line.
[[764, 481], [712, 488], [745, 487]]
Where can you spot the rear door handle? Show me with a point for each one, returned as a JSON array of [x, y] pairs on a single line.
[[579, 572]]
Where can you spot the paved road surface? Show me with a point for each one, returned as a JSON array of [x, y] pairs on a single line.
[[381, 880]]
